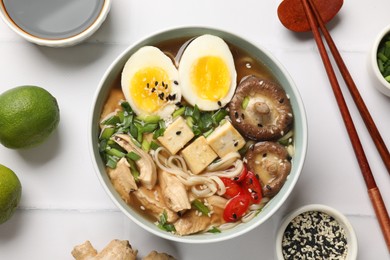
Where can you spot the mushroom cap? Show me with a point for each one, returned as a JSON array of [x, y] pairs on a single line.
[[260, 109], [271, 162]]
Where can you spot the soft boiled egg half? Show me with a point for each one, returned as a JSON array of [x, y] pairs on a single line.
[[207, 73], [150, 83]]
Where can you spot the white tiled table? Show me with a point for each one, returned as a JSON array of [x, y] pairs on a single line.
[[63, 204]]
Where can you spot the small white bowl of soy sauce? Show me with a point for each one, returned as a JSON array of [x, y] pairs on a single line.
[[54, 23]]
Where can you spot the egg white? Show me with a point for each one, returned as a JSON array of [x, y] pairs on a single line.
[[204, 47], [138, 83]]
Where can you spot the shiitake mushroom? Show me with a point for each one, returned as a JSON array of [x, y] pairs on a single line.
[[260, 109]]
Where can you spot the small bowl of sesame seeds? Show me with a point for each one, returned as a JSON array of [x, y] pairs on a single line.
[[316, 232]]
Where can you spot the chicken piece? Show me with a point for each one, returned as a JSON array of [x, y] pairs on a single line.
[[147, 168], [154, 255], [173, 191], [154, 203], [115, 250], [191, 223], [122, 180]]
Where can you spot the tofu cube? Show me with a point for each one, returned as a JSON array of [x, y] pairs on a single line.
[[225, 139], [176, 136], [198, 155]]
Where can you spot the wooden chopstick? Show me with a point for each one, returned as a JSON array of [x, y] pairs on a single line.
[[373, 191], [365, 114]]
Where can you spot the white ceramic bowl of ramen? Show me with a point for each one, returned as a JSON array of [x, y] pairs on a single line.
[[54, 23], [170, 41]]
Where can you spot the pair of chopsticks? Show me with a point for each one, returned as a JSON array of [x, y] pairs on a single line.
[[316, 21]]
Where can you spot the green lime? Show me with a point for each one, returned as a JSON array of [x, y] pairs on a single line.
[[10, 193], [28, 115]]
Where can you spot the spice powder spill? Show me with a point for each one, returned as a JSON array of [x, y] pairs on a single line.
[[314, 235]]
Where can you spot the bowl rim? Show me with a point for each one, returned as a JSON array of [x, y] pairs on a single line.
[[62, 42], [212, 237], [337, 215], [385, 86]]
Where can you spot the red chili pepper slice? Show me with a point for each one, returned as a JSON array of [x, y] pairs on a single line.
[[236, 207], [232, 188], [251, 185]]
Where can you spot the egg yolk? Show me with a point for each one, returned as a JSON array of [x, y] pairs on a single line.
[[149, 89], [210, 78]]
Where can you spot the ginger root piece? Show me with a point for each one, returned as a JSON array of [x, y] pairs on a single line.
[[154, 255], [115, 250], [84, 251]]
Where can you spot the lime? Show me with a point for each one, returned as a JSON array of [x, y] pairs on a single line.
[[10, 193], [28, 115]]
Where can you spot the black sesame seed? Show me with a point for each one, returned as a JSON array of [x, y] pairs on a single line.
[[264, 154], [281, 100], [161, 95], [234, 215], [243, 116], [236, 143], [156, 83], [153, 89], [259, 125], [314, 235], [219, 103], [268, 187], [178, 132], [147, 85], [175, 82], [236, 114], [162, 83]]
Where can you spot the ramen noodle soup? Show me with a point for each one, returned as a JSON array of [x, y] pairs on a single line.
[[196, 135]]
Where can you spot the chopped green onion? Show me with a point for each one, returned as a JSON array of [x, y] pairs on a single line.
[[133, 130], [112, 120], [188, 111], [163, 223], [149, 127], [126, 106], [245, 103], [102, 145], [115, 152], [214, 230], [383, 57], [196, 113], [134, 170], [145, 145], [179, 112], [219, 115], [158, 133], [107, 133], [206, 134], [154, 145], [149, 119], [190, 121], [133, 156], [201, 207], [111, 162]]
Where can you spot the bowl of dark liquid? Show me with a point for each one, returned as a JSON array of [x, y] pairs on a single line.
[[54, 23]]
